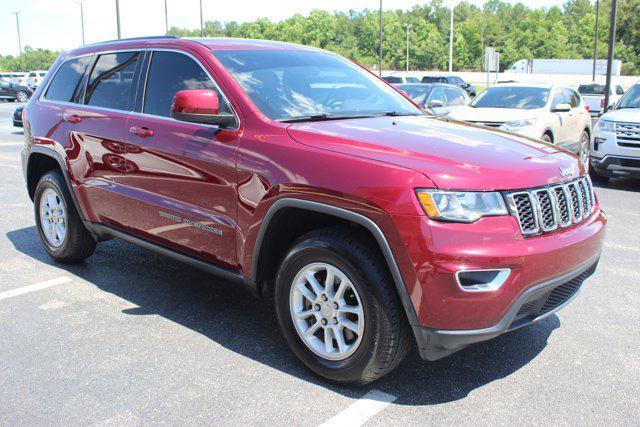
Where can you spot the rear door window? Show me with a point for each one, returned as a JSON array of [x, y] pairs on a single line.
[[437, 95], [558, 98], [111, 80], [68, 83], [169, 73]]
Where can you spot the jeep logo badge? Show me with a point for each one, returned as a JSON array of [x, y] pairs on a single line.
[[568, 171]]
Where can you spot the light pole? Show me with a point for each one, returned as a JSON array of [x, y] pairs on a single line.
[[118, 18], [407, 27], [201, 22], [18, 26], [380, 46], [451, 40], [612, 39], [81, 21], [166, 18], [595, 41]]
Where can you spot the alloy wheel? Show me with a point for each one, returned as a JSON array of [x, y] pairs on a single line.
[[22, 97], [327, 311], [584, 149], [53, 217]]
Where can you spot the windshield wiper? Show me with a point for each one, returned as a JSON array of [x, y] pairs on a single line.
[[321, 117], [396, 114]]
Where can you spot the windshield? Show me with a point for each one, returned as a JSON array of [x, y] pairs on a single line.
[[631, 99], [525, 98], [592, 89], [288, 84]]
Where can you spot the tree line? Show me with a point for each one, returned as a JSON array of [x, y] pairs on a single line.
[[516, 31]]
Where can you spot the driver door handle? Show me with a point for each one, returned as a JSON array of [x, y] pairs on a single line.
[[143, 132], [71, 118]]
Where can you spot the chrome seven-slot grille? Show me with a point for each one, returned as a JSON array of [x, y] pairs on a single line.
[[546, 209]]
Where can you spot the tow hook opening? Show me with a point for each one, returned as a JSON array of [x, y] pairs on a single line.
[[482, 280]]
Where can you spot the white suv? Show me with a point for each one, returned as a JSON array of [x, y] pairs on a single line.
[[615, 151], [552, 113]]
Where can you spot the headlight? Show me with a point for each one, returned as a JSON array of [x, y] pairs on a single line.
[[519, 124], [461, 206], [605, 126]]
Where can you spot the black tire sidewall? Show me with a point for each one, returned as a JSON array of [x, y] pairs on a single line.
[[315, 250]]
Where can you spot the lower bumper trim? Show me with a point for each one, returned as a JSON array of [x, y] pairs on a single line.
[[535, 304]]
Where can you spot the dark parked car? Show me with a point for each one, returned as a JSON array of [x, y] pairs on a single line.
[[17, 116], [453, 80], [437, 98], [11, 91]]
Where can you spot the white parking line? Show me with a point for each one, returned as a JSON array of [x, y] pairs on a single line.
[[622, 247], [35, 287], [361, 410]]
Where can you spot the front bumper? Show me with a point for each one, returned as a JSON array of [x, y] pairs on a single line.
[[613, 166], [535, 304]]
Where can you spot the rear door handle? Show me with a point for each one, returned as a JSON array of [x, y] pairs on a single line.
[[143, 132], [71, 118]]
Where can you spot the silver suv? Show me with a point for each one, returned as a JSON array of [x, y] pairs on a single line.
[[615, 150]]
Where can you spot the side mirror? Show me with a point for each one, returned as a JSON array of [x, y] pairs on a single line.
[[561, 108], [200, 106], [436, 103]]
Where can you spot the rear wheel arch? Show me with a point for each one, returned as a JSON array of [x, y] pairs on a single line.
[[42, 160], [549, 133], [277, 234]]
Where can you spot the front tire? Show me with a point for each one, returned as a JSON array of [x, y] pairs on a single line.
[[583, 152], [61, 230], [546, 138], [22, 96], [339, 310]]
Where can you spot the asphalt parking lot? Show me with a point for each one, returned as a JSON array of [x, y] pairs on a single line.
[[131, 337]]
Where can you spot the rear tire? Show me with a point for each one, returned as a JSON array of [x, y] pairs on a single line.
[[63, 235], [383, 337], [546, 138], [583, 151]]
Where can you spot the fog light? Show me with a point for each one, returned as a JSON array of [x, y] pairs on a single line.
[[482, 280], [597, 141]]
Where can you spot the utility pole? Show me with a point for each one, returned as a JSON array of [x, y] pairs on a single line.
[[201, 22], [81, 21], [451, 41], [595, 41], [612, 39], [118, 18], [18, 26], [380, 36], [166, 18], [407, 27]]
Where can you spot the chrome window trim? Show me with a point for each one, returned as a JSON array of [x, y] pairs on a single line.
[[42, 98], [215, 83], [53, 76]]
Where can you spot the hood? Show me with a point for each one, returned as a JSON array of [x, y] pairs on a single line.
[[472, 114], [453, 155], [624, 115]]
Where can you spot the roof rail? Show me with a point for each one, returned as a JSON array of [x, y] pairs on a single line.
[[131, 38]]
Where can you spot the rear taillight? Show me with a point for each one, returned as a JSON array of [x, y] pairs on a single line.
[[602, 103], [586, 107]]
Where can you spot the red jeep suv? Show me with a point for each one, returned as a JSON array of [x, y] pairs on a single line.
[[299, 174]]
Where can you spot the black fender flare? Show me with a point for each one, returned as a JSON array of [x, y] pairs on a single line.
[[347, 215], [65, 173]]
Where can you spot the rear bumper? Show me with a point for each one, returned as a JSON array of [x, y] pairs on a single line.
[[535, 304]]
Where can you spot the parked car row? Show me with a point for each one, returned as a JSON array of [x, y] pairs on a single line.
[[31, 79], [14, 92], [452, 80]]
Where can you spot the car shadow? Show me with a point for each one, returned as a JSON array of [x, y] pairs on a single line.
[[235, 319], [626, 184]]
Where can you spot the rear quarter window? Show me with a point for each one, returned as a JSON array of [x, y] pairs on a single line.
[[111, 80], [68, 83]]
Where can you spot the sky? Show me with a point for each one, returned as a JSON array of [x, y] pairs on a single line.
[[55, 24]]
